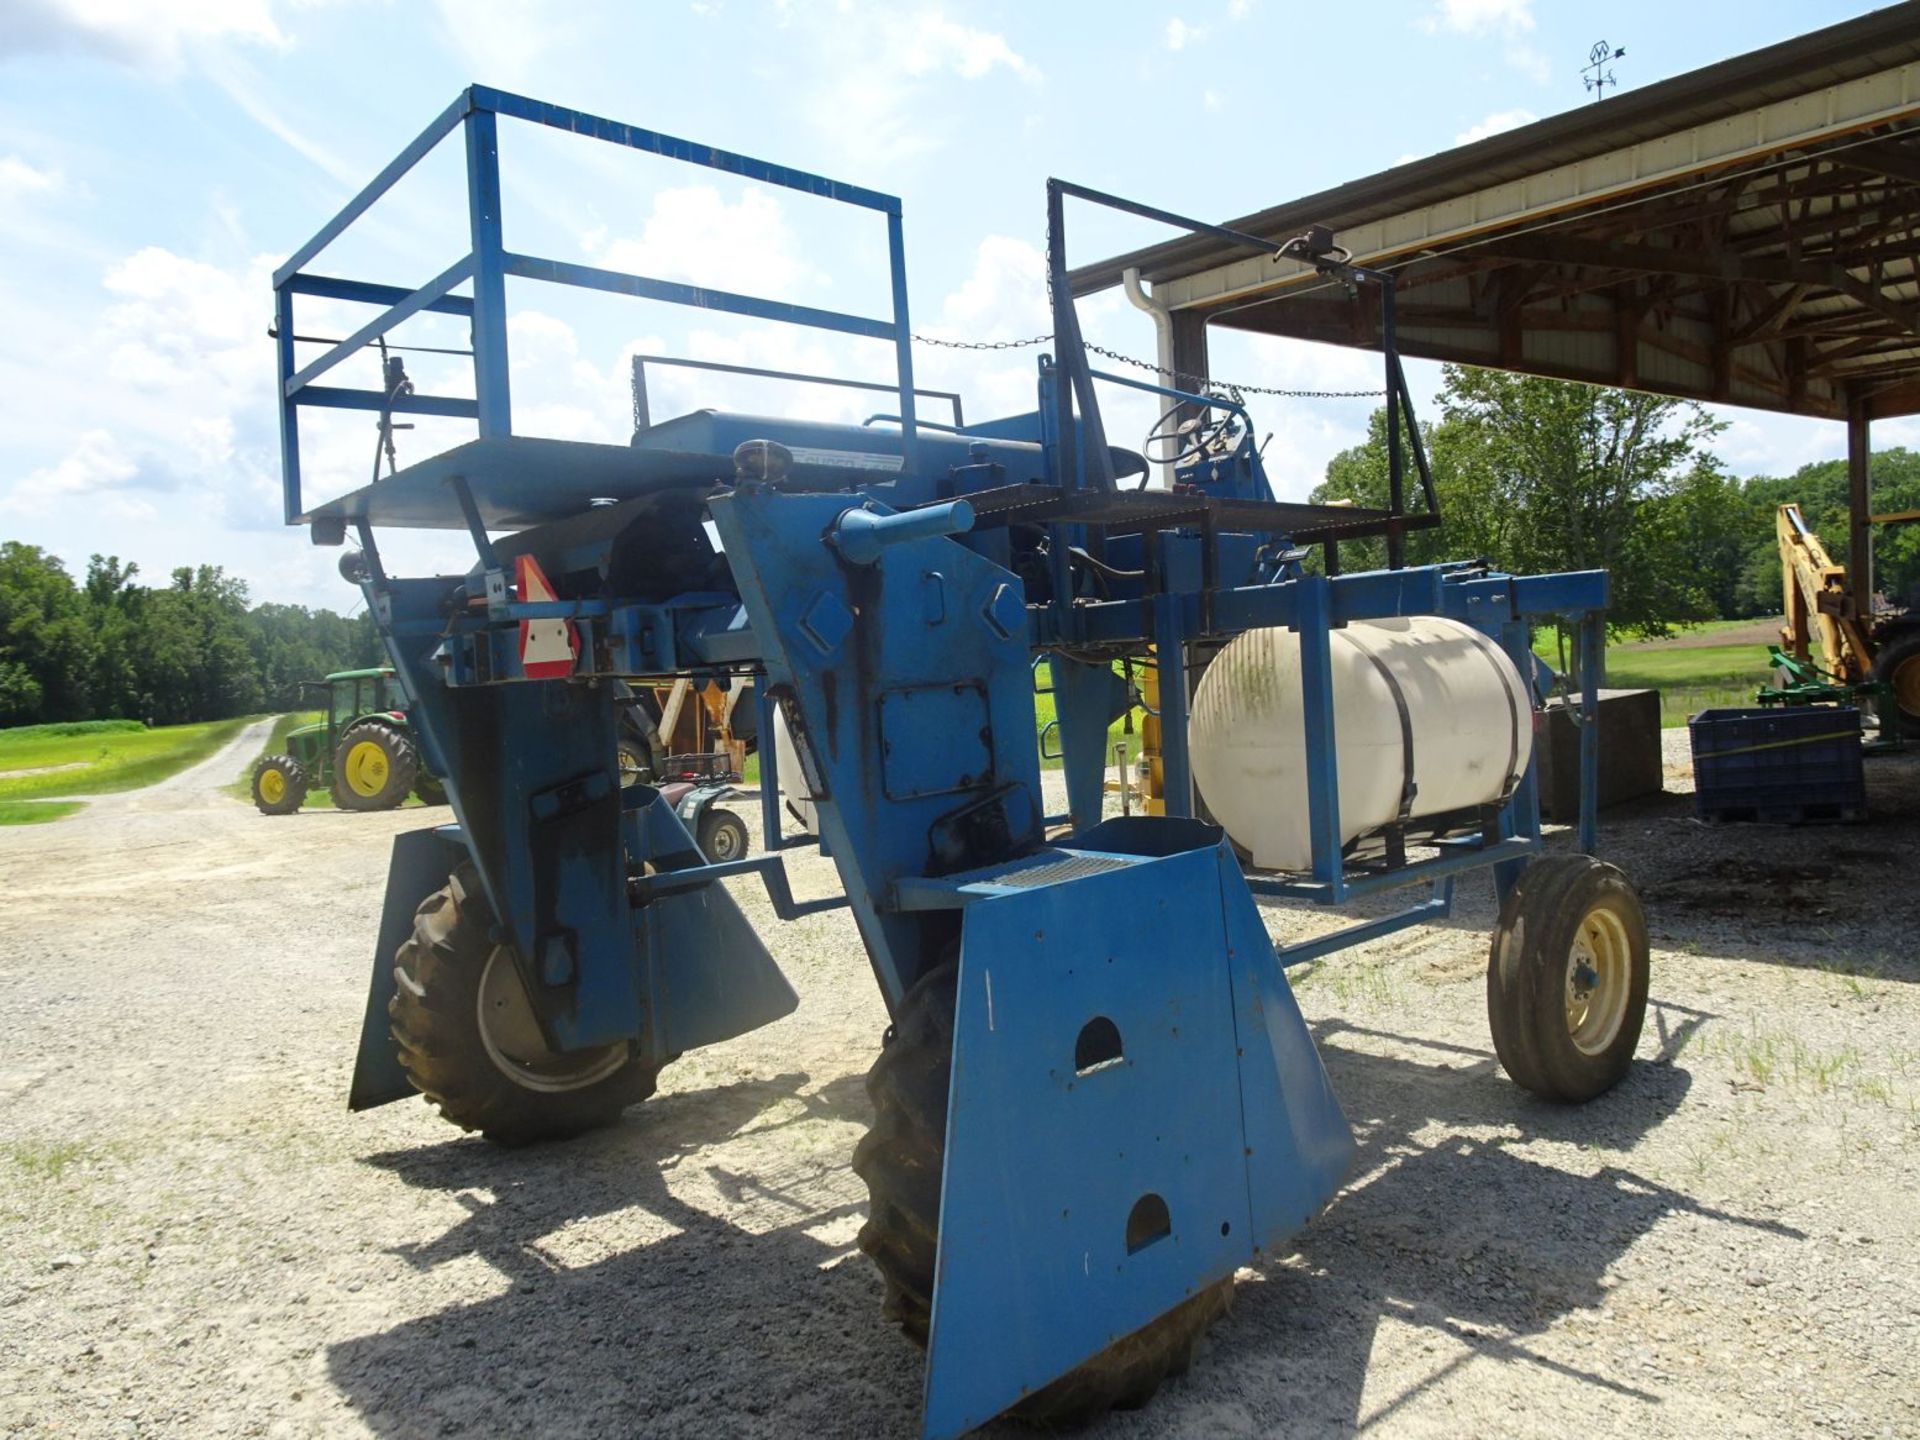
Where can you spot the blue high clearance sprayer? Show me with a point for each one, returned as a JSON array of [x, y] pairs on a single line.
[[1097, 1096]]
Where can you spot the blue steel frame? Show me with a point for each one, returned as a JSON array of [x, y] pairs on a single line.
[[488, 263]]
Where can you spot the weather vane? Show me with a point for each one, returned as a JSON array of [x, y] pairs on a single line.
[[1598, 58]]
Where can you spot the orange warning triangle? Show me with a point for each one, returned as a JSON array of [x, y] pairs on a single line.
[[548, 648]]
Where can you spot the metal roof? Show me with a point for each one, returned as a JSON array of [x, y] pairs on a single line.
[[1743, 233]]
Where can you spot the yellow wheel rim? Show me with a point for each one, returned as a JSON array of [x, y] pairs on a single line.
[[1906, 686], [366, 769], [273, 786], [1598, 976]]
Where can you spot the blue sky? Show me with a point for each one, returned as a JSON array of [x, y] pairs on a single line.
[[159, 157]]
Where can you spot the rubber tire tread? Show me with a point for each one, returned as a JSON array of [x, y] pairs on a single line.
[[403, 767], [901, 1159], [434, 1020], [428, 790], [1904, 650], [715, 820], [1526, 978], [296, 792]]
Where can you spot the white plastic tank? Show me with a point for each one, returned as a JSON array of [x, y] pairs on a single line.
[[1429, 716]]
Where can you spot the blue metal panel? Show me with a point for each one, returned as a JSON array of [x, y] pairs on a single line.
[[422, 862], [1043, 1165], [1086, 699], [708, 977], [1298, 1144], [804, 600], [327, 397], [1039, 1267]]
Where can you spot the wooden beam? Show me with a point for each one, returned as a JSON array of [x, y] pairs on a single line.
[[1722, 265]]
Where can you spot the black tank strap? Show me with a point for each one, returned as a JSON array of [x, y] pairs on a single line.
[[1494, 656], [1408, 789]]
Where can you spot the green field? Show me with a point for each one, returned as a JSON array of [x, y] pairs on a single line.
[[1690, 672], [95, 758]]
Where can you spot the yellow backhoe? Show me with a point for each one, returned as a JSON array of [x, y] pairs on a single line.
[[1854, 648]]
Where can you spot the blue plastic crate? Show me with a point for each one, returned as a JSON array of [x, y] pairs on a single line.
[[1786, 766]]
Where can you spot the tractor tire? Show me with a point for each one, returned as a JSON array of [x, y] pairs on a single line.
[[428, 790], [901, 1159], [375, 767], [279, 785], [468, 1040], [1897, 666], [723, 836], [1567, 978]]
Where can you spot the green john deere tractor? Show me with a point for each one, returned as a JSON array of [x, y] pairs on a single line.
[[363, 751]]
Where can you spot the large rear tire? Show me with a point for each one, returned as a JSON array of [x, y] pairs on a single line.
[[468, 1040], [1567, 978], [901, 1159], [374, 767], [1897, 666]]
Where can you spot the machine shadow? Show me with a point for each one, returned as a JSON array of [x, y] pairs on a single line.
[[1468, 1238], [720, 1320], [687, 1333]]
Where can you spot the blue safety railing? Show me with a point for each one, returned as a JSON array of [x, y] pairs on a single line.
[[484, 269]]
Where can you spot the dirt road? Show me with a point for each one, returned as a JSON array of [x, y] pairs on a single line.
[[197, 1240]]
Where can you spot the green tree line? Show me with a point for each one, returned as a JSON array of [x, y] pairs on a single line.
[[107, 647], [1538, 475]]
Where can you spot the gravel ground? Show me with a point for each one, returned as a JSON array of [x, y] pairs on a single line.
[[197, 1240]]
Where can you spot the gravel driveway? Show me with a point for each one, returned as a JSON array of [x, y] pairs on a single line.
[[197, 1240]]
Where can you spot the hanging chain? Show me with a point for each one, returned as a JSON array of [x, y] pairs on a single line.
[[1179, 377]]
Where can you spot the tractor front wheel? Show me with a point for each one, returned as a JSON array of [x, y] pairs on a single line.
[[469, 1041], [374, 767], [1567, 978], [279, 785], [901, 1159]]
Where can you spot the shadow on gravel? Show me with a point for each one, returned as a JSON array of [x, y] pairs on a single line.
[[776, 1329], [1468, 1238], [684, 1335]]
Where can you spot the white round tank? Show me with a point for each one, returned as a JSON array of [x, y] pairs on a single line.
[[1421, 691]]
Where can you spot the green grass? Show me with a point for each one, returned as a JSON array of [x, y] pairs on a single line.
[[36, 812], [1690, 678], [102, 757]]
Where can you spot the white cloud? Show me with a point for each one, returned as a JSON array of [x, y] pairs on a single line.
[[874, 74], [19, 179], [1179, 34], [1214, 101], [930, 42], [1239, 9], [1512, 19], [91, 473], [147, 34], [1495, 123], [1477, 17], [694, 234]]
